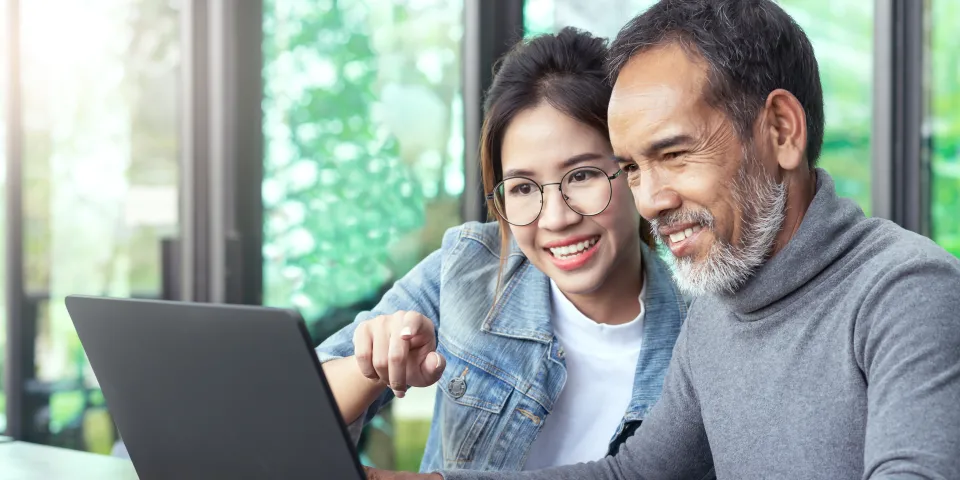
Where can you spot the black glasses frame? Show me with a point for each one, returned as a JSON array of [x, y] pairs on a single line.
[[491, 196]]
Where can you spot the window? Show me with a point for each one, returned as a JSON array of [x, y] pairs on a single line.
[[4, 61], [363, 135], [842, 35], [604, 18], [100, 172], [364, 147], [944, 124]]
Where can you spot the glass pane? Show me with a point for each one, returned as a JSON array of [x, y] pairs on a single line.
[[600, 17], [3, 223], [100, 174], [363, 129], [842, 35], [944, 54]]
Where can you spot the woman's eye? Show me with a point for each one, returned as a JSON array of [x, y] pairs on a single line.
[[522, 189], [581, 176]]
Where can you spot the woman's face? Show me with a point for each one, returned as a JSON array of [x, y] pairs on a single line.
[[580, 253]]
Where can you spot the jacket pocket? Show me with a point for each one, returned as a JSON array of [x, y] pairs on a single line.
[[472, 402]]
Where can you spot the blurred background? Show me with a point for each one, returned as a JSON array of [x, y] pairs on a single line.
[[308, 153]]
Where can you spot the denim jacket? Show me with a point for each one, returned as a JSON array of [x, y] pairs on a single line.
[[505, 369]]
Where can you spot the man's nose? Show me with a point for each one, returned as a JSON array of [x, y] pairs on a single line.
[[652, 198], [555, 214]]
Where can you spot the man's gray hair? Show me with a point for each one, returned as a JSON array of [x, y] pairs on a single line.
[[751, 48]]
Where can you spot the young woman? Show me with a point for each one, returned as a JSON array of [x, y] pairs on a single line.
[[549, 332]]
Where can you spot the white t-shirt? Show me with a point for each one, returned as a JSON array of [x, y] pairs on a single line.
[[601, 363]]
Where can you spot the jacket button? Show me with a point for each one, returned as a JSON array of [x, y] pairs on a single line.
[[560, 352], [457, 386]]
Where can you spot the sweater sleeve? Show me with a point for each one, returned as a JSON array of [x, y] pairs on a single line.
[[670, 444], [908, 339]]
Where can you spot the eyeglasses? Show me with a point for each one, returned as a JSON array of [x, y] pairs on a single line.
[[586, 190]]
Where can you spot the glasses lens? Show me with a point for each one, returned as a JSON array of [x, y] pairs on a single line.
[[587, 190], [518, 200]]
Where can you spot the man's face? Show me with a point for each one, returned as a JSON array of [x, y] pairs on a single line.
[[709, 198]]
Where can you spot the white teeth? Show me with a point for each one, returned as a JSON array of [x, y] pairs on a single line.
[[575, 249], [679, 236]]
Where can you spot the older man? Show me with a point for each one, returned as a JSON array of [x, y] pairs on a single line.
[[823, 344]]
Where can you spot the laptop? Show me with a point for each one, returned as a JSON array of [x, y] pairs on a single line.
[[204, 391]]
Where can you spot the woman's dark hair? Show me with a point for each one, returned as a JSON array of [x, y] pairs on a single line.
[[565, 70]]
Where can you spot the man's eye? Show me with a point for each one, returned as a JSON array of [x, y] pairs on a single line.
[[672, 155]]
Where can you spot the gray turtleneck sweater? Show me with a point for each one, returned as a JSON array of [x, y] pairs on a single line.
[[838, 359]]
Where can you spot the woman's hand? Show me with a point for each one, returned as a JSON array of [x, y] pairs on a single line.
[[398, 350]]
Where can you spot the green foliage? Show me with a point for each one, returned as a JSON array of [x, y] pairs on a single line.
[[336, 195], [411, 436], [842, 36], [945, 113], [364, 159]]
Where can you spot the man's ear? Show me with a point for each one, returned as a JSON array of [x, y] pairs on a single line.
[[785, 126]]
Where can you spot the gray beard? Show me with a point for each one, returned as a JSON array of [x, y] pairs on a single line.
[[762, 202]]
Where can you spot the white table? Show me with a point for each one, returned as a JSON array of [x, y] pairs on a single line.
[[29, 461]]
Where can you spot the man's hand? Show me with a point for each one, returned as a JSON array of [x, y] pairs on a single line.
[[374, 474]]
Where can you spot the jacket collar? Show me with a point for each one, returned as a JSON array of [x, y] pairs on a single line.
[[523, 309], [828, 232], [523, 312], [666, 310]]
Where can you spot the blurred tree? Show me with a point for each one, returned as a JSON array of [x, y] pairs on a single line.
[[340, 193], [336, 195], [944, 82]]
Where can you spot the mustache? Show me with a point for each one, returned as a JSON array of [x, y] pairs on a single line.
[[699, 216]]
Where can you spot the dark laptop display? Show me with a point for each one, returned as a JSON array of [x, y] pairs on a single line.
[[204, 391]]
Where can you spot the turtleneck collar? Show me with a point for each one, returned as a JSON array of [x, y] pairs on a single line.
[[825, 234]]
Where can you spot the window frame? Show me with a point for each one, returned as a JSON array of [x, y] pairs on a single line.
[[901, 148]]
